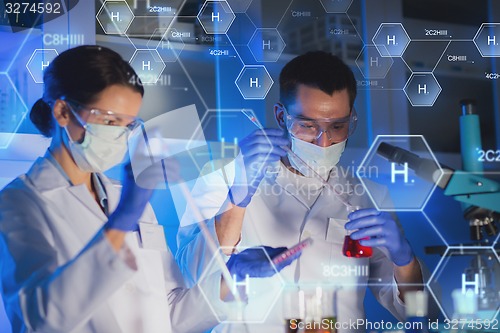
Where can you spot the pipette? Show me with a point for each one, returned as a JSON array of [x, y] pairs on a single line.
[[293, 251], [193, 207], [251, 116]]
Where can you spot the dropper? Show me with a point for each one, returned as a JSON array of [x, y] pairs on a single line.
[[251, 116]]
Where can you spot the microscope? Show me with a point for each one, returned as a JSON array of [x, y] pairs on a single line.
[[478, 195]]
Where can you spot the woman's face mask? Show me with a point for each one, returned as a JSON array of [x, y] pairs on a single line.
[[107, 124], [102, 148], [320, 159]]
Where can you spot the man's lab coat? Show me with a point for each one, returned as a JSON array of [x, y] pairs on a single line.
[[59, 272], [278, 215]]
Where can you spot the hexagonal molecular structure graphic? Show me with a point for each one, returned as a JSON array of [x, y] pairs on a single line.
[[156, 7], [239, 6], [259, 294], [170, 45], [223, 140], [115, 17], [399, 172], [217, 126], [151, 14], [39, 61], [216, 17], [148, 65], [394, 37], [465, 284], [266, 45], [424, 55], [218, 46], [336, 6], [254, 82], [487, 40], [12, 110], [371, 64], [422, 89]]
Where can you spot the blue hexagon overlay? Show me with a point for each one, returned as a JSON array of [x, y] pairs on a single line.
[[371, 64], [464, 284], [225, 146], [239, 6], [266, 45], [405, 190], [254, 82], [422, 89], [336, 6], [17, 110], [487, 40], [148, 65], [261, 293], [216, 17], [170, 44], [394, 37], [115, 16], [39, 60]]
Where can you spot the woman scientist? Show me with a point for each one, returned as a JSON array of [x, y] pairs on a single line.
[[72, 258]]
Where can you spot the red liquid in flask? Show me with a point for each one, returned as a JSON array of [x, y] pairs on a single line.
[[353, 249]]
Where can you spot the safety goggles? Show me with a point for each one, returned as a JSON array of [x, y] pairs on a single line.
[[102, 117], [335, 129]]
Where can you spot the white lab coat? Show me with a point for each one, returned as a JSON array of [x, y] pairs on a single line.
[[279, 216], [59, 272]]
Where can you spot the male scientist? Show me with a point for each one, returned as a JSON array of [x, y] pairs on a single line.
[[284, 202]]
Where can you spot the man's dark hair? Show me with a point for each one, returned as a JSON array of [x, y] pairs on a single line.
[[318, 69]]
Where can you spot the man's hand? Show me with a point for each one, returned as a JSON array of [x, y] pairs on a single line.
[[255, 263], [258, 151], [382, 231]]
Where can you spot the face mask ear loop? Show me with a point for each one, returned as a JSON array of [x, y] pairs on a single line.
[[80, 121], [63, 141]]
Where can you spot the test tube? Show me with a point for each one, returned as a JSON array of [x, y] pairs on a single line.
[[292, 251], [329, 310], [416, 311], [465, 304], [293, 308]]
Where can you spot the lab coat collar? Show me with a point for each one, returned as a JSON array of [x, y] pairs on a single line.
[[338, 179], [329, 205], [50, 181], [339, 174], [113, 191], [285, 179], [45, 176]]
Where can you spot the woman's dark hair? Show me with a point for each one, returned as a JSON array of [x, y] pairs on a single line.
[[317, 69], [80, 74]]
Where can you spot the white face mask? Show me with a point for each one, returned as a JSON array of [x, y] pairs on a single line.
[[320, 159], [102, 148]]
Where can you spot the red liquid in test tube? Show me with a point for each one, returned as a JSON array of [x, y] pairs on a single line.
[[292, 251], [353, 249]]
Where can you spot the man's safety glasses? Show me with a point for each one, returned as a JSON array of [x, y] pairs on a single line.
[[309, 130]]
